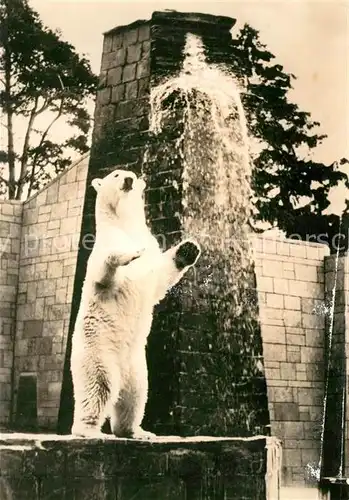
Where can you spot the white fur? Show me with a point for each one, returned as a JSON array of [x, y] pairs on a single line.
[[108, 360]]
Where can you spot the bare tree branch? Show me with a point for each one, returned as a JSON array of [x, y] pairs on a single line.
[[44, 107], [24, 159], [43, 137], [2, 179], [10, 134]]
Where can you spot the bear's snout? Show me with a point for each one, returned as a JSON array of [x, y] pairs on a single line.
[[128, 183]]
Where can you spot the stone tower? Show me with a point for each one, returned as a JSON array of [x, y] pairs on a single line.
[[205, 357]]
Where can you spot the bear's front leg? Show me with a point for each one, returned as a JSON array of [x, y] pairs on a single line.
[[105, 273], [174, 263]]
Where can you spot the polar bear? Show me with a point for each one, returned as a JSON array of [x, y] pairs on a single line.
[[127, 275]]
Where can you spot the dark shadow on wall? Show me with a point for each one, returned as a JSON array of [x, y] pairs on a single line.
[[27, 410]]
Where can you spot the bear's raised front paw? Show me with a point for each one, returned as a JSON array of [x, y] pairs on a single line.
[[187, 254]]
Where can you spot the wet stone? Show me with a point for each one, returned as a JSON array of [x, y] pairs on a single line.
[[114, 76], [143, 33], [166, 469], [120, 57], [132, 108], [17, 487], [129, 72], [146, 49], [134, 53], [143, 87], [106, 114], [107, 44], [117, 41], [117, 93], [108, 60], [130, 37], [131, 90], [54, 488], [103, 78], [89, 489], [143, 68], [104, 96]]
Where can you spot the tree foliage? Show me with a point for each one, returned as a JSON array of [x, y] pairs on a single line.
[[290, 187], [43, 81]]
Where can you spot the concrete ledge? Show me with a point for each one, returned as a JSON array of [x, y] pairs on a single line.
[[36, 466]]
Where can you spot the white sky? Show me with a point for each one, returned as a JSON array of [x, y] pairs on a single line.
[[309, 38]]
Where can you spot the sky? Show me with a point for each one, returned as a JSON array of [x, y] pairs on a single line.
[[309, 38]]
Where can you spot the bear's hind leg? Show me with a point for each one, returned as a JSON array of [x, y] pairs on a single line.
[[90, 403], [127, 415], [128, 410]]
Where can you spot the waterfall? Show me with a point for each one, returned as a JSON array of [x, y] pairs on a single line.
[[213, 147], [201, 145]]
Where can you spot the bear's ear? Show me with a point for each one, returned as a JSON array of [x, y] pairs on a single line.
[[96, 183]]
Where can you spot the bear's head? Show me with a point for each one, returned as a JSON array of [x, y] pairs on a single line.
[[120, 199]]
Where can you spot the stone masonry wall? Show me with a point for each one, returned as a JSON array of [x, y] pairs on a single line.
[[10, 230], [49, 243], [54, 467], [290, 281]]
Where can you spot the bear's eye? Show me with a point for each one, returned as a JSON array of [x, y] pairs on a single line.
[[116, 175]]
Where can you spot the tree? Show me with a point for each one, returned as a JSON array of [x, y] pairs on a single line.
[[288, 184], [43, 79]]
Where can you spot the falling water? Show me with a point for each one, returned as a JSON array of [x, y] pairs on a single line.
[[331, 361], [214, 151], [200, 124]]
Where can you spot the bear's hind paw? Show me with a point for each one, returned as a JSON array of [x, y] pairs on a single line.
[[87, 432], [142, 434]]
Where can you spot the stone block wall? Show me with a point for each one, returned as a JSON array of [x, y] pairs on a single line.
[[40, 467], [49, 245], [290, 282], [10, 233], [124, 80]]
